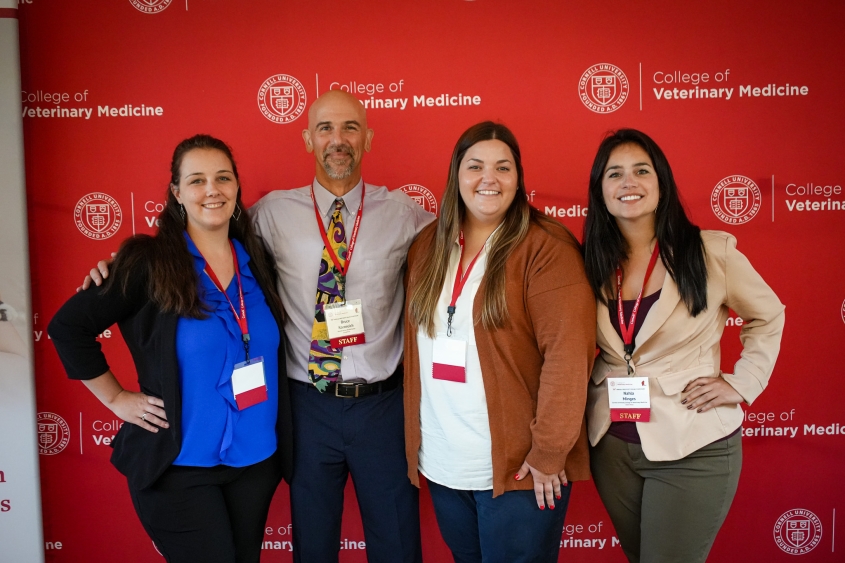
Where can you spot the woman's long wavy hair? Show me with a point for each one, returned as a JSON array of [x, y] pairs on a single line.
[[173, 281], [681, 247], [434, 260]]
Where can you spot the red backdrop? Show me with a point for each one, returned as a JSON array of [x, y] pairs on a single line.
[[755, 157]]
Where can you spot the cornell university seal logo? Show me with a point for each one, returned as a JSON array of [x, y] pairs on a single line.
[[150, 6], [422, 196], [603, 88], [97, 216], [53, 433], [798, 531], [281, 98], [736, 200]]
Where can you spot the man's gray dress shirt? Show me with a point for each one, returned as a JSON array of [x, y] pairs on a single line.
[[285, 221]]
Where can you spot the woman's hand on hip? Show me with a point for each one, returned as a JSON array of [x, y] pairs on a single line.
[[139, 409], [546, 486], [706, 393], [136, 408]]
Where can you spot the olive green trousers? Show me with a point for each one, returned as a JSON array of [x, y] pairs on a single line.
[[666, 511]]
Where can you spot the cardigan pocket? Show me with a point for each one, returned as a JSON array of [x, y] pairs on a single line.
[[674, 383]]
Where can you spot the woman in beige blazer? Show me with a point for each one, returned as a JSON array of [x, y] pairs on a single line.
[[668, 483]]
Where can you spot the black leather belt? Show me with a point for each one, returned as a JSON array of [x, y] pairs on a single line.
[[357, 390]]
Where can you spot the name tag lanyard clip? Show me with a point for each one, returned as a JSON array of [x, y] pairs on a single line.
[[343, 269], [460, 281], [241, 319], [628, 331]]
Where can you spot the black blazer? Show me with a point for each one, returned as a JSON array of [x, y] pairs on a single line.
[[150, 335]]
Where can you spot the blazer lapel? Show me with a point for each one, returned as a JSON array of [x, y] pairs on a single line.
[[659, 312], [607, 333]]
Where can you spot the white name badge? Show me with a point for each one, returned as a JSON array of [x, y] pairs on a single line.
[[345, 322], [248, 383], [449, 359], [629, 399]]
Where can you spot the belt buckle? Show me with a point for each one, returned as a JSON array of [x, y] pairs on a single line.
[[339, 384]]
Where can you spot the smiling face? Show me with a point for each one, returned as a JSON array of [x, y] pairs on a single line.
[[629, 184], [487, 178], [337, 134], [207, 188]]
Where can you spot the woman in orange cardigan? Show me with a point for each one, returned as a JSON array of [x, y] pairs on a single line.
[[499, 343]]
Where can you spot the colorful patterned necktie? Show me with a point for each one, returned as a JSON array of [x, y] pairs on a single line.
[[324, 360]]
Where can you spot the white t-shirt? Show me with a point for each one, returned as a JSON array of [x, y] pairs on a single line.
[[455, 450]]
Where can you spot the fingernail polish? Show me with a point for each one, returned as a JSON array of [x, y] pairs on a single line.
[[552, 507], [689, 407], [516, 476], [542, 507], [699, 410], [558, 496], [684, 402]]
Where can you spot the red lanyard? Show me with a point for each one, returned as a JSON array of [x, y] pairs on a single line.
[[460, 282], [628, 331], [241, 319], [343, 269]]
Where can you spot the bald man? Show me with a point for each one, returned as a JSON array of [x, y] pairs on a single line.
[[346, 379]]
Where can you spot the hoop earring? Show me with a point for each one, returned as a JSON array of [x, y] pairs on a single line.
[[182, 213], [237, 214]]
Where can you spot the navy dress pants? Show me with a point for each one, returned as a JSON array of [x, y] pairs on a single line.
[[363, 437]]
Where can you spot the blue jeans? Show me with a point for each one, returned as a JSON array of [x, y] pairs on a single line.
[[507, 529]]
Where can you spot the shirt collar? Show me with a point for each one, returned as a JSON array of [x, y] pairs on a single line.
[[325, 198]]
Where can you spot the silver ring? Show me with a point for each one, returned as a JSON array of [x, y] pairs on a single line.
[[144, 417]]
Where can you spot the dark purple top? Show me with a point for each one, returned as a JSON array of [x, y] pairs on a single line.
[[627, 431]]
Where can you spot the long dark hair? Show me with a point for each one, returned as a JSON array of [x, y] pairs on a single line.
[[173, 282], [681, 247], [434, 260]]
